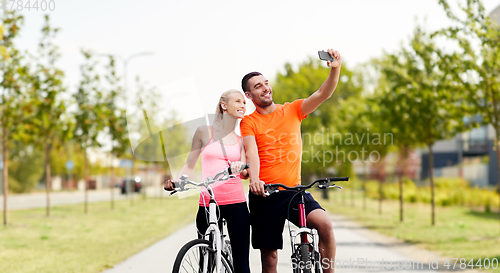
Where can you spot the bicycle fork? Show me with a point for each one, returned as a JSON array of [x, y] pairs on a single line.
[[304, 230]]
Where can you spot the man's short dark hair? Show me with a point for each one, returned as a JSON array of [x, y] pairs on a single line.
[[246, 78]]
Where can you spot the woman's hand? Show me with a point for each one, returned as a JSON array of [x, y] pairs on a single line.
[[236, 167], [169, 184]]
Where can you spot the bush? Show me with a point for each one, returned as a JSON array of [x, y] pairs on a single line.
[[448, 192]]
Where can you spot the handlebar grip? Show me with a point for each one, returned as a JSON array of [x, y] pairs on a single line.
[[338, 178], [175, 185]]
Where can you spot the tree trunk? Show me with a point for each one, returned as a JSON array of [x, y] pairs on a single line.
[[47, 177], [5, 174], [364, 194], [364, 185], [132, 183], [380, 196], [431, 175], [86, 178], [497, 142], [403, 160], [112, 182], [400, 177]]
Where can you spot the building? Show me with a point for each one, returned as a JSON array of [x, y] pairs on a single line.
[[470, 155]]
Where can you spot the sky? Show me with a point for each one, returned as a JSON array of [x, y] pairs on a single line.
[[214, 43], [199, 49]]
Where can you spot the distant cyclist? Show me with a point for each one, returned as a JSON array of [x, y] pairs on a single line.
[[273, 147], [219, 145]]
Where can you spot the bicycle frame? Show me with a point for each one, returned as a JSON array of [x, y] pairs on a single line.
[[214, 227], [213, 233], [303, 230]]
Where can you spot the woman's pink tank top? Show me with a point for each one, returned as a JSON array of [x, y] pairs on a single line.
[[214, 158]]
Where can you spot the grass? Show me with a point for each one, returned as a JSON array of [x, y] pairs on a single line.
[[71, 241], [458, 232]]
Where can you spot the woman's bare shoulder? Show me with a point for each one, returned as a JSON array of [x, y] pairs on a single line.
[[203, 133]]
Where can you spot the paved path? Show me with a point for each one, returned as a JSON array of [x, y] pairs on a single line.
[[38, 200], [357, 247]]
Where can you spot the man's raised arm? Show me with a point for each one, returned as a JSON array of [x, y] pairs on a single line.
[[327, 88]]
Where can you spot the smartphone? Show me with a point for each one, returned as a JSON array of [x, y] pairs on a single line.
[[325, 56]]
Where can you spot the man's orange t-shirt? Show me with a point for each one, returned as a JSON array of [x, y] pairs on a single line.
[[278, 141]]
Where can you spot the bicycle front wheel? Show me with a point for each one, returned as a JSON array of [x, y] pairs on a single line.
[[197, 256]]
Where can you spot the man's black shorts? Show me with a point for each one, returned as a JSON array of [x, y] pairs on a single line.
[[268, 214]]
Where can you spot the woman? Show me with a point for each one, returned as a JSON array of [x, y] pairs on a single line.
[[219, 146]]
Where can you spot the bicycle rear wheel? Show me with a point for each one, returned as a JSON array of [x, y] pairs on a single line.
[[198, 256]]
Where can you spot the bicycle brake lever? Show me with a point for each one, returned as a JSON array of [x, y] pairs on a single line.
[[335, 186]]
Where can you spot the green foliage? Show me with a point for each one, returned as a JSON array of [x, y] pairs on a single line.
[[91, 116], [25, 167], [476, 66], [418, 92], [116, 119], [449, 191], [47, 88]]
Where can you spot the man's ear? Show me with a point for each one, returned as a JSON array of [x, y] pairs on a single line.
[[247, 94]]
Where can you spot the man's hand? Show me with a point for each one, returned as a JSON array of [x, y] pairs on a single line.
[[169, 185], [257, 187], [338, 59]]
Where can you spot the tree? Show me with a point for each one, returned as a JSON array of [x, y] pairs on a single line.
[[475, 68], [13, 101], [394, 108], [428, 96], [381, 141], [116, 119], [90, 117], [47, 86]]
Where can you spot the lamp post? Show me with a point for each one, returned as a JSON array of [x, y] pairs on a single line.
[[126, 61], [125, 79]]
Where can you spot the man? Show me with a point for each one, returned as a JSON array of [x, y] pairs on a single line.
[[273, 145]]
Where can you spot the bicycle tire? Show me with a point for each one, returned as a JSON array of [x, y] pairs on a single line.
[[191, 256], [305, 258], [317, 263]]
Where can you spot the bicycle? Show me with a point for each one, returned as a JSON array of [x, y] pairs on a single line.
[[212, 252], [305, 251]]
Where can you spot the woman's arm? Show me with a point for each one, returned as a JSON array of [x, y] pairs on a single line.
[[193, 156]]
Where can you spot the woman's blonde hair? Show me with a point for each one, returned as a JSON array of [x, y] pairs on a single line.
[[219, 112]]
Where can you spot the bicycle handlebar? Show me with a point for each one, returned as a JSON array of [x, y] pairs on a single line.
[[273, 188], [226, 174]]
